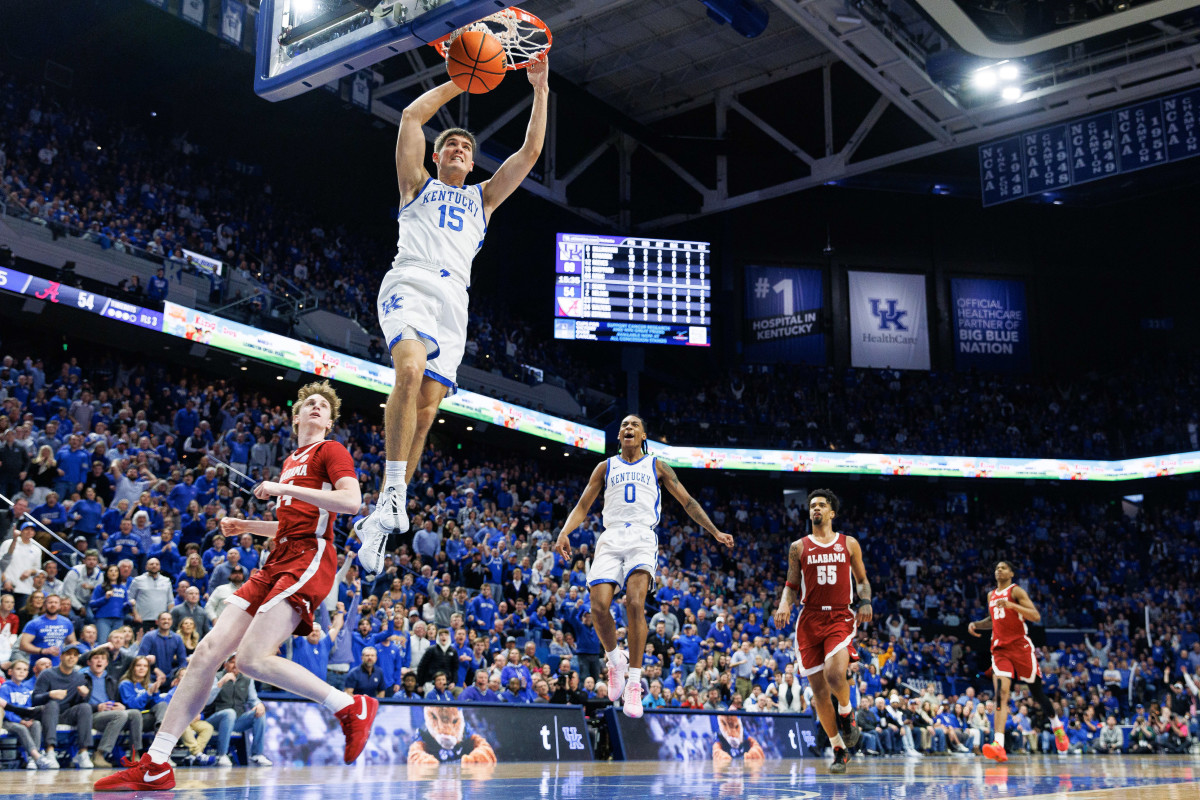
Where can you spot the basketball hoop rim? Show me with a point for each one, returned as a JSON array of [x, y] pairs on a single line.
[[442, 45]]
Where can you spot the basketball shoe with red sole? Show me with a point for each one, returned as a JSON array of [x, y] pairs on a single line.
[[995, 752], [356, 720], [144, 776], [1061, 742]]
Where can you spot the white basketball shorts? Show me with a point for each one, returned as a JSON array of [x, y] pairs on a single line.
[[420, 301], [622, 551]]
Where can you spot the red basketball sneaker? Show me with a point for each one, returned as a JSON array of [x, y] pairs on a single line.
[[1061, 743], [143, 776], [356, 720], [995, 752]]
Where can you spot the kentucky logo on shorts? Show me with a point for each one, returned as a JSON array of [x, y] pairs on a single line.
[[393, 303]]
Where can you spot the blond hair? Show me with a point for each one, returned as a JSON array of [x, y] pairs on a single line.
[[326, 390]]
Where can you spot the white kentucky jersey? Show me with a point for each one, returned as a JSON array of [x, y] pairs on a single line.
[[443, 227], [631, 493]]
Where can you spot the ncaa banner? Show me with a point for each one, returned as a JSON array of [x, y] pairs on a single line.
[[783, 316], [194, 11], [991, 325], [233, 15], [887, 320]]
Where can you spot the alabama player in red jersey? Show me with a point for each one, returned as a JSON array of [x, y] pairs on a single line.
[[1013, 658], [825, 570], [317, 483]]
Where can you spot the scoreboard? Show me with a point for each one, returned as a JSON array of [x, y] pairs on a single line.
[[633, 290]]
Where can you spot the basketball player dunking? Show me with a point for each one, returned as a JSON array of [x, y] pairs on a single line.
[[627, 551], [1013, 658], [317, 483], [824, 571], [423, 298]]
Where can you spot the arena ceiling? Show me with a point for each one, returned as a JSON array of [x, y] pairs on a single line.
[[660, 114]]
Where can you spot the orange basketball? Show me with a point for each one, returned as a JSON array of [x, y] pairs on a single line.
[[476, 62]]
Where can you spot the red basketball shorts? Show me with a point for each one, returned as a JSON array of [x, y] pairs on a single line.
[[300, 572], [1016, 661], [819, 635]]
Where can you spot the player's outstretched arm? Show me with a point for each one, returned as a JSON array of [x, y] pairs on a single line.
[[862, 586], [579, 512], [791, 585], [344, 498], [984, 624], [232, 527], [668, 478], [517, 166], [410, 141]]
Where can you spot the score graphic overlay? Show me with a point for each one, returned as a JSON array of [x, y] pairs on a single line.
[[632, 290]]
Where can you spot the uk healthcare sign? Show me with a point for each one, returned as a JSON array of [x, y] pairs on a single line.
[[888, 327]]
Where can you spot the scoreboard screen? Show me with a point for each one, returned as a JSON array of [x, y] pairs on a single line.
[[633, 290]]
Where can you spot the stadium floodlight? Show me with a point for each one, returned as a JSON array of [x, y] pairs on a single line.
[[985, 79], [1008, 72], [1011, 93]]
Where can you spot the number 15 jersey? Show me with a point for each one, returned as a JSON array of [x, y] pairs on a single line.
[[443, 228]]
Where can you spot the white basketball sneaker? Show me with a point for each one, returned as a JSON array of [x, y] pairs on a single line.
[[389, 516], [631, 701], [616, 676]]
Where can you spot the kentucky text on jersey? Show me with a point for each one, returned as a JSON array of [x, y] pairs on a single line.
[[632, 476], [455, 196], [825, 558]]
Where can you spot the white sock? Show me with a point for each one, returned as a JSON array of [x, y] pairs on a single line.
[[844, 709], [393, 475], [635, 675], [837, 742], [160, 751], [337, 700], [1000, 739], [1055, 723], [613, 656]]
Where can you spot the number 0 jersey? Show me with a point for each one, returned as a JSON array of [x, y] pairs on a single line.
[[443, 228], [826, 583], [631, 492]]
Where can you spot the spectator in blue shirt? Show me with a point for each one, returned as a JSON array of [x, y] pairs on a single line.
[[109, 602], [183, 494], [366, 678], [139, 688], [167, 552], [312, 651], [47, 634], [478, 692], [52, 514], [86, 515], [514, 693], [248, 552], [440, 692], [721, 635], [481, 610], [165, 647], [215, 554]]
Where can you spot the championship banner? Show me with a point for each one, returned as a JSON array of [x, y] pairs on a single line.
[[887, 321], [717, 737], [194, 11], [991, 325], [783, 316], [426, 736], [233, 15]]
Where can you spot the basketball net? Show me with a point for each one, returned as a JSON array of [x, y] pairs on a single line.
[[525, 38]]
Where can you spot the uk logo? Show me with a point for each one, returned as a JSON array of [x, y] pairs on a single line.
[[889, 317], [574, 738], [393, 303]]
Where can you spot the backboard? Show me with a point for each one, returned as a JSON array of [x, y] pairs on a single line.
[[303, 44]]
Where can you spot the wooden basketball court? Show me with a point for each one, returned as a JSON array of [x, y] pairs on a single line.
[[1070, 777]]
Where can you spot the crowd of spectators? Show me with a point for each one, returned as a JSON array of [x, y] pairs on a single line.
[[123, 469], [85, 169]]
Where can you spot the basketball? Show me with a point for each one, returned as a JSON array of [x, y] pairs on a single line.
[[476, 62]]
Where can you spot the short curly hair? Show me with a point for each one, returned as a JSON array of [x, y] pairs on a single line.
[[326, 390]]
